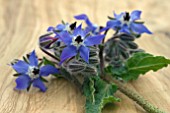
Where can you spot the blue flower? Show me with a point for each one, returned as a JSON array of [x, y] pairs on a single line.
[[31, 73], [94, 28], [78, 42], [59, 29], [126, 22]]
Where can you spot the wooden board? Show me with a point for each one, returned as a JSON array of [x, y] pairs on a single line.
[[23, 21]]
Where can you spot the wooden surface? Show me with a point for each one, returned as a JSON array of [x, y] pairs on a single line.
[[23, 21]]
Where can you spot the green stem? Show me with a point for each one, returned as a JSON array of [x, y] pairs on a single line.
[[101, 60], [101, 55], [136, 97]]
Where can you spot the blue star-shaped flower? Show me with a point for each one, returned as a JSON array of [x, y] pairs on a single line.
[[78, 42], [126, 22], [94, 28], [30, 73], [59, 29]]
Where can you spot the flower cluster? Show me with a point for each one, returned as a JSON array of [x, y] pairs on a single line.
[[82, 56], [76, 49], [76, 39]]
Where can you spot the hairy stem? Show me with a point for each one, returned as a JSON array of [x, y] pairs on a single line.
[[101, 60], [101, 55], [49, 54], [150, 108]]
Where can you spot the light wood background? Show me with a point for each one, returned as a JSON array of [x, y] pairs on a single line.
[[23, 21]]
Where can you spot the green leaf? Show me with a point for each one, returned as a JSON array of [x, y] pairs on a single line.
[[98, 93], [89, 89], [141, 63], [116, 72]]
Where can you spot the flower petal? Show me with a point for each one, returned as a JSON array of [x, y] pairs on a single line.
[[47, 70], [39, 84], [87, 30], [125, 29], [113, 23], [65, 37], [50, 29], [23, 81], [93, 40], [139, 28], [84, 53], [68, 52], [85, 18], [118, 16], [103, 29], [81, 17], [60, 27], [33, 60], [21, 67], [135, 15], [79, 31]]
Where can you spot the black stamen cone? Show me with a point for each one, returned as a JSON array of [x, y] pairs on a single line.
[[78, 39], [101, 27], [36, 71], [126, 16], [73, 25]]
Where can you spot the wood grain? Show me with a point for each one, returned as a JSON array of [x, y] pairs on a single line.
[[23, 21]]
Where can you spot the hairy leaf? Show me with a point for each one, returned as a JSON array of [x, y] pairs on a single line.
[[98, 93], [140, 63]]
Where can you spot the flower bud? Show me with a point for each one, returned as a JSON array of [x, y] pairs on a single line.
[[75, 66], [127, 37], [94, 60], [132, 45]]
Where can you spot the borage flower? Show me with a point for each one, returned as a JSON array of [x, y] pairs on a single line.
[[94, 28], [78, 42], [59, 29], [126, 22], [31, 73]]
